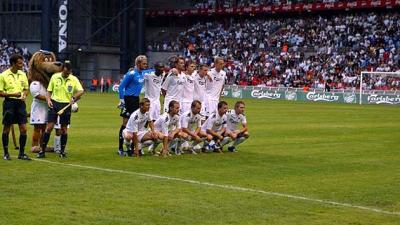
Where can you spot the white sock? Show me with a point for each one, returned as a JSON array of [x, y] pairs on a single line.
[[225, 141], [196, 147], [238, 141], [185, 145], [57, 143], [154, 146], [127, 144], [174, 143], [148, 143], [211, 143]]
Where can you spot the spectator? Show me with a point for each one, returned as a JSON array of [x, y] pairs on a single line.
[[94, 84], [270, 51], [7, 49]]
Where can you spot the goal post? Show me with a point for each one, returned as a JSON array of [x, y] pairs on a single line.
[[367, 75]]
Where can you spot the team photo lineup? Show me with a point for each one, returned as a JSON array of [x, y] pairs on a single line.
[[193, 118]]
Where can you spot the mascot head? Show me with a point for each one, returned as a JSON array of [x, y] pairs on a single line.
[[42, 66]]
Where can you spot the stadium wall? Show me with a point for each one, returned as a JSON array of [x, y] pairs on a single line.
[[160, 57], [98, 63]]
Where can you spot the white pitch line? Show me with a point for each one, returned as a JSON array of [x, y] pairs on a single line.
[[236, 188]]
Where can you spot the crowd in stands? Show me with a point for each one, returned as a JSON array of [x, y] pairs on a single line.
[[298, 52], [164, 46], [209, 4], [9, 48]]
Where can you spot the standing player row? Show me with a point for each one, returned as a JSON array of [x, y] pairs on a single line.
[[187, 84], [183, 84]]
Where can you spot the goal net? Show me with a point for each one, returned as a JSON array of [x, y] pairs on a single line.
[[379, 87]]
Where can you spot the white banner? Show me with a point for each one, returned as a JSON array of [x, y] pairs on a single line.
[[62, 25]]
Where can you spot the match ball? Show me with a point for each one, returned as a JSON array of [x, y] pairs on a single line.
[[74, 107]]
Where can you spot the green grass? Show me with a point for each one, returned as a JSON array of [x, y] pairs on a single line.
[[335, 152]]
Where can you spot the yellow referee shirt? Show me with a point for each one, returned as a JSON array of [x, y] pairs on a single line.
[[62, 88], [11, 83]]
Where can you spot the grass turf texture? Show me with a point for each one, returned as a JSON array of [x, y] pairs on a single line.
[[337, 152]]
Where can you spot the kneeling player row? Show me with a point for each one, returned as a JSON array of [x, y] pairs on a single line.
[[185, 132]]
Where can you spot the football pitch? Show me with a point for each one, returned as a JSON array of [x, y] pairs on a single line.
[[304, 163]]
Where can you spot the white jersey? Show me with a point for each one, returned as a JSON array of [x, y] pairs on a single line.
[[173, 85], [190, 121], [152, 85], [199, 88], [38, 108], [165, 123], [214, 87], [137, 121], [188, 88], [215, 122], [233, 120]]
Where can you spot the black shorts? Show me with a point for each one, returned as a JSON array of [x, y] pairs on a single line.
[[52, 116], [131, 105], [14, 111]]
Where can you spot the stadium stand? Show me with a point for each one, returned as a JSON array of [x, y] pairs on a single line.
[[7, 49], [208, 4], [298, 52]]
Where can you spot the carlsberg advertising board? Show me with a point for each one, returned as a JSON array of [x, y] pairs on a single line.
[[313, 96]]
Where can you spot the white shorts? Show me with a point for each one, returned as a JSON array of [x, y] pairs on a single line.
[[203, 110], [185, 107], [205, 130], [227, 131], [38, 113], [191, 129], [189, 138], [154, 110], [140, 134], [212, 106]]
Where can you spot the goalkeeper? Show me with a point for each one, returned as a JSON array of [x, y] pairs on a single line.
[[129, 91]]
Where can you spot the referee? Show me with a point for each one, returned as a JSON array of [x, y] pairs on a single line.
[[14, 88], [129, 91], [64, 88]]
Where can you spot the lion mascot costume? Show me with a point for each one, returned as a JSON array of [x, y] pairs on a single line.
[[42, 66]]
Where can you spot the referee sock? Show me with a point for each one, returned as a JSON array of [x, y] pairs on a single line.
[[121, 138], [64, 138], [45, 140], [4, 138], [57, 143], [22, 143]]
